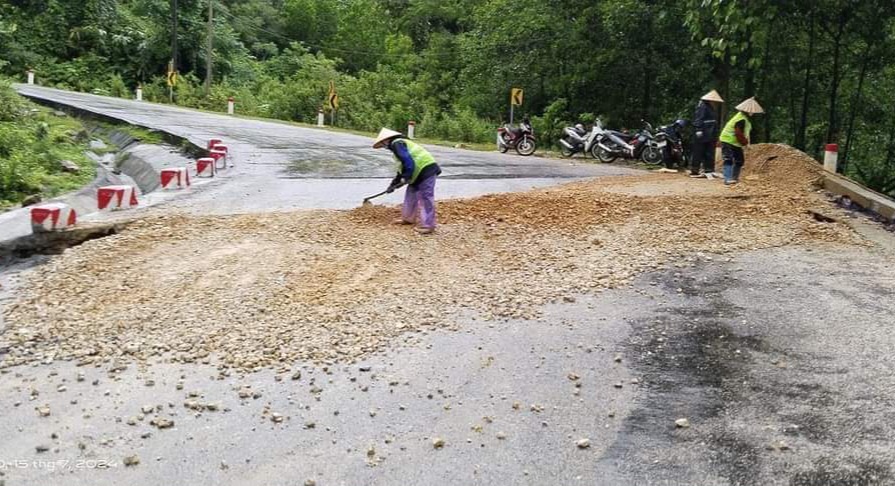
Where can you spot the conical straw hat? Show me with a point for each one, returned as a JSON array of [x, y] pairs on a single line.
[[384, 136], [750, 106], [713, 96]]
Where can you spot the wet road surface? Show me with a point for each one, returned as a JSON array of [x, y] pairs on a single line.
[[784, 376], [779, 359], [279, 166]]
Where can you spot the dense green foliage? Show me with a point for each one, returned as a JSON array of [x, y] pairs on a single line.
[[821, 68], [33, 141]]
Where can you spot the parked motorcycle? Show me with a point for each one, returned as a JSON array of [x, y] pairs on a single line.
[[643, 145], [522, 139], [674, 153], [577, 139]]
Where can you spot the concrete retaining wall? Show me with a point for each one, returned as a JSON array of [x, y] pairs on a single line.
[[864, 197]]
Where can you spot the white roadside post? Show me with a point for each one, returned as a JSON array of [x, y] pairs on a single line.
[[30, 73], [139, 92], [831, 158], [411, 127], [320, 118], [230, 105]]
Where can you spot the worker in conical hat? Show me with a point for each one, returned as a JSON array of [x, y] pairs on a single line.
[[417, 169], [706, 128], [736, 135]]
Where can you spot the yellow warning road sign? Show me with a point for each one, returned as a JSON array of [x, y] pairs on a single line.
[[172, 74], [516, 96], [333, 98]]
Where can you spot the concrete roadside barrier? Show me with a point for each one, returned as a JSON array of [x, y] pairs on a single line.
[[175, 178], [116, 197], [30, 74], [831, 158], [860, 195], [231, 105], [205, 167], [52, 217], [411, 129], [220, 158]]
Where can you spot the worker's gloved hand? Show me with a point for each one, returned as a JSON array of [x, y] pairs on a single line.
[[699, 134], [396, 183]]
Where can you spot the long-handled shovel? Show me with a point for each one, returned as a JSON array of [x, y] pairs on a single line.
[[374, 196]]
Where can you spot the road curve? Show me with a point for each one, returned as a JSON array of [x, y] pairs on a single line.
[[281, 166]]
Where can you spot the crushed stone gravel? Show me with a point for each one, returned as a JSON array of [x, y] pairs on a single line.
[[266, 290]]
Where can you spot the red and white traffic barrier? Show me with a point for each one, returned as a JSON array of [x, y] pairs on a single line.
[[411, 128], [205, 167], [831, 158], [175, 178], [218, 155], [52, 217], [116, 197], [212, 142]]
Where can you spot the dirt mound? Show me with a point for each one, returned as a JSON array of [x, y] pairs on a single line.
[[571, 206], [782, 165]]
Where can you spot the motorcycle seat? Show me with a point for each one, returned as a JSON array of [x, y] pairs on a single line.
[[621, 135]]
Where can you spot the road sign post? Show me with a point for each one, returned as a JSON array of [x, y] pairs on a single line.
[[333, 101], [515, 100], [172, 80]]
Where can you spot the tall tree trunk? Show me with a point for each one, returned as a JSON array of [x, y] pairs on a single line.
[[806, 86], [765, 69], [833, 119], [721, 73], [749, 83], [647, 92], [856, 105]]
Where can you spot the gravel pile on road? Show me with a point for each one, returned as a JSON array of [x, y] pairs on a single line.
[[781, 165], [253, 291]]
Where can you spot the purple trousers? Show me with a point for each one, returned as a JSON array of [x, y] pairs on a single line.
[[420, 201]]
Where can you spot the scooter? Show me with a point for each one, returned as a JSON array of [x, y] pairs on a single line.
[[577, 139], [522, 139], [643, 145]]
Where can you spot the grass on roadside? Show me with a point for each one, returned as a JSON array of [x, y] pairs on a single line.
[[33, 143]]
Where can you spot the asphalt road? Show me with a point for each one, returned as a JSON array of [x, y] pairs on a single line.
[[779, 359], [280, 166]]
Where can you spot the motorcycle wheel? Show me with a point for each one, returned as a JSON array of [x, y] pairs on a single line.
[[651, 155], [603, 155], [565, 152], [526, 146]]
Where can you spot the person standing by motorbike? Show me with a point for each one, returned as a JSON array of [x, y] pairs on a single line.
[[735, 136], [417, 169], [706, 128]]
